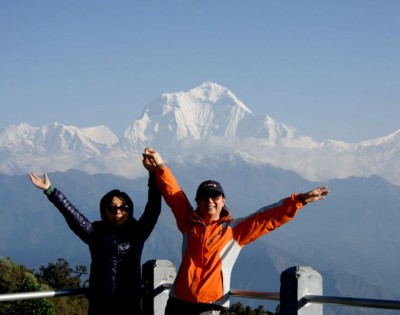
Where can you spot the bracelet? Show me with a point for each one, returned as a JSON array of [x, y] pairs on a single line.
[[49, 190], [161, 165]]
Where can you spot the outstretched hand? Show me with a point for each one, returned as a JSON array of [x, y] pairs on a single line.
[[315, 194], [42, 183]]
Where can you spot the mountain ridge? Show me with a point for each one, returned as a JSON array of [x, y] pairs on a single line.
[[206, 121]]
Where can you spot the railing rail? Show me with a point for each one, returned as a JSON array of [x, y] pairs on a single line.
[[271, 296], [321, 299], [274, 296], [349, 301], [41, 294]]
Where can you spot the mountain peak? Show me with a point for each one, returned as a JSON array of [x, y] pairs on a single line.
[[201, 112], [213, 93], [207, 93]]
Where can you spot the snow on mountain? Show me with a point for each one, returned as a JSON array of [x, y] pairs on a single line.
[[56, 138], [203, 125], [208, 110], [51, 147]]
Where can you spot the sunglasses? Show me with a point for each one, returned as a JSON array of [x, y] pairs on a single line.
[[214, 195], [114, 208]]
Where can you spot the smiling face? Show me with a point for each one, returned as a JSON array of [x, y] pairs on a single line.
[[210, 205], [117, 211]]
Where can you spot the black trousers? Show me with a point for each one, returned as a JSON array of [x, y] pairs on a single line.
[[108, 306], [177, 307]]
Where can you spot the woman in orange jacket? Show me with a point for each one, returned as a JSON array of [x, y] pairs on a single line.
[[212, 239]]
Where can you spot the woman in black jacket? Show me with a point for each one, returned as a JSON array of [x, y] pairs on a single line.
[[115, 243]]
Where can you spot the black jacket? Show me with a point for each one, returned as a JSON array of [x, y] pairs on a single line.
[[115, 270]]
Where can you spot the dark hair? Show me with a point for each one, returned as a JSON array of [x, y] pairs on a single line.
[[106, 200]]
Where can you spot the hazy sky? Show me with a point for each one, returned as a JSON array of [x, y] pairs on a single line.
[[329, 68]]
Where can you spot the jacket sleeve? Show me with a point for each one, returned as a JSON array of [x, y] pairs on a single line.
[[77, 222], [174, 196], [266, 219], [152, 209]]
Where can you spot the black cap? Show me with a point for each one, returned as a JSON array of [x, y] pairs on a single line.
[[207, 186]]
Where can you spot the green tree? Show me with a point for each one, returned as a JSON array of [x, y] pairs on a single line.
[[41, 306], [10, 275], [15, 279], [239, 309], [60, 275]]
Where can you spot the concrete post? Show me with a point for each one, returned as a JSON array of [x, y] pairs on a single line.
[[156, 274], [297, 282]]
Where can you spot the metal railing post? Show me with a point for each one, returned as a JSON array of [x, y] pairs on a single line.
[[158, 275], [296, 283]]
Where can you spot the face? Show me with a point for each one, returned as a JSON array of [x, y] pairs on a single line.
[[210, 205], [116, 212]]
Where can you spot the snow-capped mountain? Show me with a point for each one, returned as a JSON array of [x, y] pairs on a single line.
[[54, 146], [205, 111], [56, 138], [205, 125]]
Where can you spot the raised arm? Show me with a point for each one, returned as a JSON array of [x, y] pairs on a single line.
[[152, 209], [269, 218], [77, 222], [173, 194]]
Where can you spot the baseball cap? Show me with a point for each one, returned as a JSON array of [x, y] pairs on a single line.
[[207, 186]]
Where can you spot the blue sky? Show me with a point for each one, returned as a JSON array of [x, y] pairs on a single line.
[[329, 68]]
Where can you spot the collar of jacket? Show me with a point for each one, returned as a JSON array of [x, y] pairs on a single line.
[[223, 217]]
